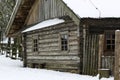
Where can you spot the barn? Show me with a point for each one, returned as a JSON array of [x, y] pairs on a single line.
[[55, 36]]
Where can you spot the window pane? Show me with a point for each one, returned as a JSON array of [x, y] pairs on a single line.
[[113, 41], [108, 41], [108, 36], [62, 42], [113, 47], [65, 42], [62, 47], [66, 48], [108, 47], [34, 50], [113, 36], [66, 37]]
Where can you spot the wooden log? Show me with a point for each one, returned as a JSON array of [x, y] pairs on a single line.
[[101, 44]]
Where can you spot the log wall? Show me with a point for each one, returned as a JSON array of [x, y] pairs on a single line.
[[49, 54]]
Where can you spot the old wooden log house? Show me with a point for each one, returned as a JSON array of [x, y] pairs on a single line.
[[71, 43]]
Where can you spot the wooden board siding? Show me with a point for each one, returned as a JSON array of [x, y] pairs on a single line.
[[107, 62], [32, 18], [90, 54], [49, 52], [47, 9]]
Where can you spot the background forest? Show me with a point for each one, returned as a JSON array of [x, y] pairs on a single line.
[[6, 8]]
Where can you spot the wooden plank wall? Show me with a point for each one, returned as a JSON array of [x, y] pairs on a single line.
[[90, 54], [49, 48], [107, 62], [47, 9]]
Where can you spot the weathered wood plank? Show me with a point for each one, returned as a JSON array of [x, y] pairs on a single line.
[[117, 55], [90, 57], [101, 44], [43, 10], [108, 63], [59, 58]]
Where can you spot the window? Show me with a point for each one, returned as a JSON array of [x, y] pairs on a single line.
[[64, 42], [35, 45], [110, 40]]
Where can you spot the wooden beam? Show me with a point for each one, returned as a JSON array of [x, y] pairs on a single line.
[[20, 17], [101, 44]]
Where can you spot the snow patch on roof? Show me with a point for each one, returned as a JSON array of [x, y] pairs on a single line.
[[95, 8], [45, 24]]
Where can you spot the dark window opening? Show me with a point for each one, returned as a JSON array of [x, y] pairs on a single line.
[[64, 42], [110, 41], [35, 45]]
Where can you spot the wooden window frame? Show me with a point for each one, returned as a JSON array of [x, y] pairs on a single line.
[[35, 45], [64, 47], [109, 41]]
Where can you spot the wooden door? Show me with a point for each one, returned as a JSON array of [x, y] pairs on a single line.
[[90, 54]]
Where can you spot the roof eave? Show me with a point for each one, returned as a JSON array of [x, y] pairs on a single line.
[[75, 15], [18, 3]]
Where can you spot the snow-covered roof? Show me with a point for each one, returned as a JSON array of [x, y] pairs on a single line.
[[46, 23], [95, 8]]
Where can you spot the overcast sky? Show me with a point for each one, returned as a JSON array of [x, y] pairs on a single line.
[[87, 8]]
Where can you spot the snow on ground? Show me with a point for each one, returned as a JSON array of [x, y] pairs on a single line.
[[13, 70]]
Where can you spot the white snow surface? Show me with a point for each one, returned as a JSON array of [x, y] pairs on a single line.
[[5, 41], [95, 8], [13, 70], [45, 23]]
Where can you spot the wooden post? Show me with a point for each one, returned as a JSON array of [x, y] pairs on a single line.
[[117, 55], [24, 51], [19, 45], [8, 47], [80, 46], [84, 51], [14, 49], [101, 44]]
